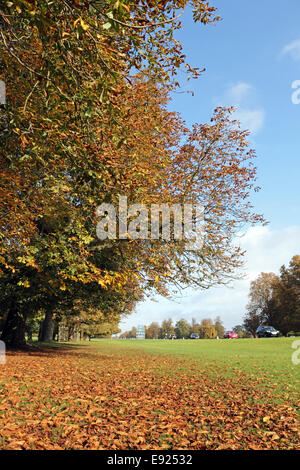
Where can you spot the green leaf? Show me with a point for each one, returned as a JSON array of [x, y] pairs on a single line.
[[106, 25]]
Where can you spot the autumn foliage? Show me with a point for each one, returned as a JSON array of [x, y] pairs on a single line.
[[274, 300], [86, 121]]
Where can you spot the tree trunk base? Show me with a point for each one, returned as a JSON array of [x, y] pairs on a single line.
[[47, 328], [13, 334]]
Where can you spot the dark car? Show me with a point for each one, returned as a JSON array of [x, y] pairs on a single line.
[[194, 336], [267, 332]]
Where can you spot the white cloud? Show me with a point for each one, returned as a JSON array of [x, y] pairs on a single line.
[[237, 93], [292, 49], [251, 119], [266, 249], [243, 97]]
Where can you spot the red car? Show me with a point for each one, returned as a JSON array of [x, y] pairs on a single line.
[[230, 335]]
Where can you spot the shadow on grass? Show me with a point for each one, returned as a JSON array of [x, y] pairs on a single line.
[[52, 349], [41, 348]]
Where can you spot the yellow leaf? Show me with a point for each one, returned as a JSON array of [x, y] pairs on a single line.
[[84, 26], [76, 21]]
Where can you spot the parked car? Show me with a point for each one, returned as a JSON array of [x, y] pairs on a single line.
[[267, 332], [194, 336], [172, 337], [230, 335]]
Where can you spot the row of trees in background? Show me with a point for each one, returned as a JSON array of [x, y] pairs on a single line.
[[275, 300], [207, 328]]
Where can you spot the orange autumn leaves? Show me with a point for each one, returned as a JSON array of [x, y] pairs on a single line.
[[77, 398]]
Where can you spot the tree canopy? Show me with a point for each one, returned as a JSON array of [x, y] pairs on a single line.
[[86, 120], [275, 300]]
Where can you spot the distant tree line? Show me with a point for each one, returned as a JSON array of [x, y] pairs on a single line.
[[206, 329], [275, 300]]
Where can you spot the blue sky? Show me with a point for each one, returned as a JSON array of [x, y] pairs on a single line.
[[251, 57]]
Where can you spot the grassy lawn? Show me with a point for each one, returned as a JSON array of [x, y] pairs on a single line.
[[267, 359], [122, 394]]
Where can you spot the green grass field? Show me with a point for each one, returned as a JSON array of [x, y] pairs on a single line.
[[268, 360]]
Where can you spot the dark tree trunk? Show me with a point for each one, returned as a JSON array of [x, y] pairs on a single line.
[[40, 332], [71, 333], [47, 328], [29, 333], [13, 333]]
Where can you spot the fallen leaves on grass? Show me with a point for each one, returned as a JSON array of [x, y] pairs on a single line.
[[81, 399]]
